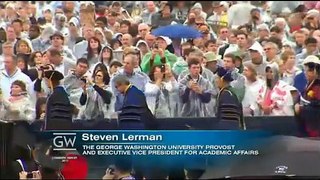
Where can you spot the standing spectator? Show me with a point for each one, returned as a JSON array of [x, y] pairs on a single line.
[[81, 47], [93, 50], [274, 98], [242, 7], [271, 50], [159, 55], [299, 37], [237, 84], [218, 18], [97, 97], [290, 70], [57, 42], [149, 12], [163, 17], [252, 85], [257, 59], [162, 93], [195, 92], [60, 63], [34, 32], [7, 50], [74, 32], [73, 81], [312, 20], [310, 49], [136, 79], [11, 73], [180, 11], [42, 43], [197, 9], [19, 105]]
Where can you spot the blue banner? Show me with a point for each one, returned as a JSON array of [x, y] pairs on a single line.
[[165, 144]]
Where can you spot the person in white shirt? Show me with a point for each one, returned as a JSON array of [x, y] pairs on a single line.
[[11, 73], [7, 50], [252, 85]]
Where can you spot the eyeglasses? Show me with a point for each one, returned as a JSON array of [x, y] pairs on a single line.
[[224, 32], [267, 49]]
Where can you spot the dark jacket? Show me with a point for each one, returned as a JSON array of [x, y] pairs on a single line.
[[229, 107], [59, 110], [135, 113], [157, 20]]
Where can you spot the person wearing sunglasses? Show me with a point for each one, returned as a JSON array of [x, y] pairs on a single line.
[[96, 97]]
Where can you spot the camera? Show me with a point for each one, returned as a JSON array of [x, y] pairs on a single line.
[[83, 79], [156, 46], [44, 67], [29, 175]]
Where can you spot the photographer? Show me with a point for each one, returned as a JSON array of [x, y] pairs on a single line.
[[162, 93], [39, 86], [74, 80], [120, 171], [195, 92], [158, 55], [97, 97]]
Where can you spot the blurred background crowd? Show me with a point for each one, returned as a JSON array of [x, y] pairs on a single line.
[[262, 44]]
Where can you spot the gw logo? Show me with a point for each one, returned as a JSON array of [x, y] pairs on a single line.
[[64, 141]]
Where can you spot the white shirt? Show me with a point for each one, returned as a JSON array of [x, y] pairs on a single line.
[[6, 81], [251, 95]]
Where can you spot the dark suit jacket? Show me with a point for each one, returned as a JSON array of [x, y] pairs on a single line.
[[135, 109], [59, 110]]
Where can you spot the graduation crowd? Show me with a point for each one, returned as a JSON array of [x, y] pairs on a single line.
[[260, 60], [253, 59]]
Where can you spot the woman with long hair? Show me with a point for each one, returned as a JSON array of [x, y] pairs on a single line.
[[97, 98], [35, 59], [106, 55], [24, 47], [19, 105], [93, 51], [274, 98]]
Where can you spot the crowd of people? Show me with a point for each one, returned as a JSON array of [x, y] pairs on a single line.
[[262, 56], [253, 59]]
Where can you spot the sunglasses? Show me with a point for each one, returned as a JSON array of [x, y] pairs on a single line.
[[224, 32]]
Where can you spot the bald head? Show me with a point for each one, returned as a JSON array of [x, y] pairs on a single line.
[[126, 40], [143, 29]]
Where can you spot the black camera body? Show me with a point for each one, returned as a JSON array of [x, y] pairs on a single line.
[[44, 67], [83, 79]]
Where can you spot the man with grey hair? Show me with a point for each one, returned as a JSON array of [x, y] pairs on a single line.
[[135, 113], [271, 50], [135, 78]]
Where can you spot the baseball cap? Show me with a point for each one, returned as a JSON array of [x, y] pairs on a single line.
[[211, 56], [166, 39], [311, 59]]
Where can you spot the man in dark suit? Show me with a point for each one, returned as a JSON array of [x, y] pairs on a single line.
[[135, 113], [59, 108], [229, 107]]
